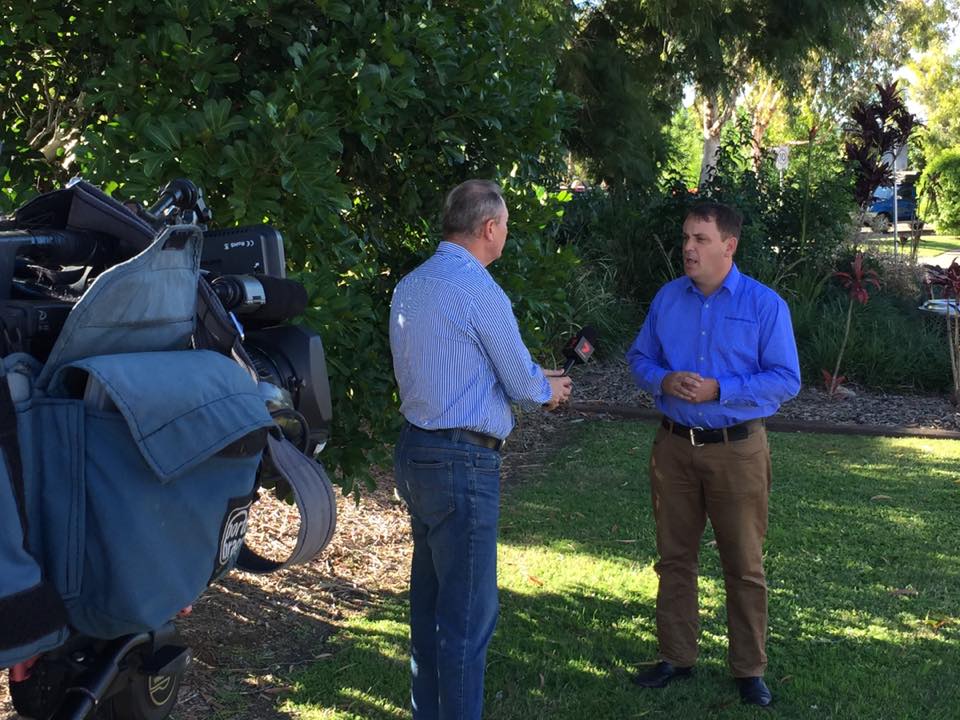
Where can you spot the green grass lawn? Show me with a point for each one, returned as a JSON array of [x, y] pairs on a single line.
[[929, 246], [862, 559]]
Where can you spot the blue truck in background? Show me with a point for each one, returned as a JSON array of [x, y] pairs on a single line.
[[879, 214]]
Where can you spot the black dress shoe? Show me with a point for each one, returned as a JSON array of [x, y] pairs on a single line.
[[660, 675], [754, 691]]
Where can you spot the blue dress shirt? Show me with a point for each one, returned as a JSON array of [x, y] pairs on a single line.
[[741, 335], [457, 352]]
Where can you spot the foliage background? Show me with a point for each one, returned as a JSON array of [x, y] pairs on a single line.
[[342, 124], [939, 191]]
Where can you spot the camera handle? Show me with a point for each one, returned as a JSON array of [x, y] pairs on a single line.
[[180, 198], [62, 247]]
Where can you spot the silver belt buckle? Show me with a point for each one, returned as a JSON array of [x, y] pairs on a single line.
[[693, 438]]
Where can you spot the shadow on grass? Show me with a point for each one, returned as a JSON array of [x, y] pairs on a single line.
[[863, 563], [570, 655]]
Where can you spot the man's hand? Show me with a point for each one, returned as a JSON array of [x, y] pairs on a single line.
[[560, 387], [681, 385], [707, 391], [690, 386]]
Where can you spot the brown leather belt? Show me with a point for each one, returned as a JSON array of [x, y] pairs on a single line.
[[466, 436], [706, 436]]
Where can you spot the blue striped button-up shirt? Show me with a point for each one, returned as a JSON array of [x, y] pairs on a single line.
[[741, 335], [457, 352]]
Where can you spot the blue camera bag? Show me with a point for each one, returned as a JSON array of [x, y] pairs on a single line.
[[135, 509], [129, 459]]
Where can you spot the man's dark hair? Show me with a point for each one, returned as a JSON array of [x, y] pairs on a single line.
[[469, 205], [729, 221]]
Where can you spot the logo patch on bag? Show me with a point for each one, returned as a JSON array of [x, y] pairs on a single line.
[[232, 531]]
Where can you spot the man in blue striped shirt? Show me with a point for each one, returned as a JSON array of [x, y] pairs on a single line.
[[718, 355], [459, 363]]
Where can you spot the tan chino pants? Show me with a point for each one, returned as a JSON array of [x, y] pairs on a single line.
[[729, 482]]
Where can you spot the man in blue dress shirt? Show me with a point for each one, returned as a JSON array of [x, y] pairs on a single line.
[[717, 353], [459, 363]]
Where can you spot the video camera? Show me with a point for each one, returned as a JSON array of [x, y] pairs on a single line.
[[43, 271], [55, 252]]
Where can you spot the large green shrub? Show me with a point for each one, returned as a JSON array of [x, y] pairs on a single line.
[[634, 231], [939, 190], [789, 228], [792, 227], [341, 123], [892, 345]]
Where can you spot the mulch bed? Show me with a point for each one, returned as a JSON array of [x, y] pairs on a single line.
[[611, 383], [250, 633]]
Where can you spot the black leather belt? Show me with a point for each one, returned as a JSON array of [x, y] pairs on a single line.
[[705, 436], [466, 436]]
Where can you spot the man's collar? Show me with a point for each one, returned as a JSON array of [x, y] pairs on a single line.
[[453, 248], [731, 282]]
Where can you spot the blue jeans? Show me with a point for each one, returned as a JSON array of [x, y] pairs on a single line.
[[452, 490]]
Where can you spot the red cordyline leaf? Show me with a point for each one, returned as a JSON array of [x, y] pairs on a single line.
[[857, 280], [829, 382], [948, 279]]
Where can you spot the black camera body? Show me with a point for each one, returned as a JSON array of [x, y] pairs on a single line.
[[246, 268], [31, 326], [43, 272]]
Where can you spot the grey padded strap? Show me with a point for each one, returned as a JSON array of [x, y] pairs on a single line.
[[122, 311], [315, 500]]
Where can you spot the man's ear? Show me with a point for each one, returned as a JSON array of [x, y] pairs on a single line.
[[487, 229], [732, 245]]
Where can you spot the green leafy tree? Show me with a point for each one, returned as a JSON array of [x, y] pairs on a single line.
[[626, 96], [939, 191], [686, 146], [341, 123], [818, 92], [648, 50], [876, 50], [935, 86]]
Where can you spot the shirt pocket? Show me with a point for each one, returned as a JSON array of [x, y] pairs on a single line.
[[738, 343]]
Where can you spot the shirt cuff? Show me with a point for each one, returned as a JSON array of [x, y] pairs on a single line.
[[731, 392], [545, 391], [658, 376]]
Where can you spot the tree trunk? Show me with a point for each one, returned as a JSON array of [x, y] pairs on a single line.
[[713, 117], [708, 164]]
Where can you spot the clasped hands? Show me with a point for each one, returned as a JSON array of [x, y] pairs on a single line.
[[690, 386], [560, 387]]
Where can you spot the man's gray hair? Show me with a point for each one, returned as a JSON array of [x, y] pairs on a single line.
[[469, 205]]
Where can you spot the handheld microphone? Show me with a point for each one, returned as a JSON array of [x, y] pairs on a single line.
[[261, 299], [580, 348]]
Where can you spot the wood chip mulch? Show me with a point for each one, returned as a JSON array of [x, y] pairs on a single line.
[[610, 382]]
